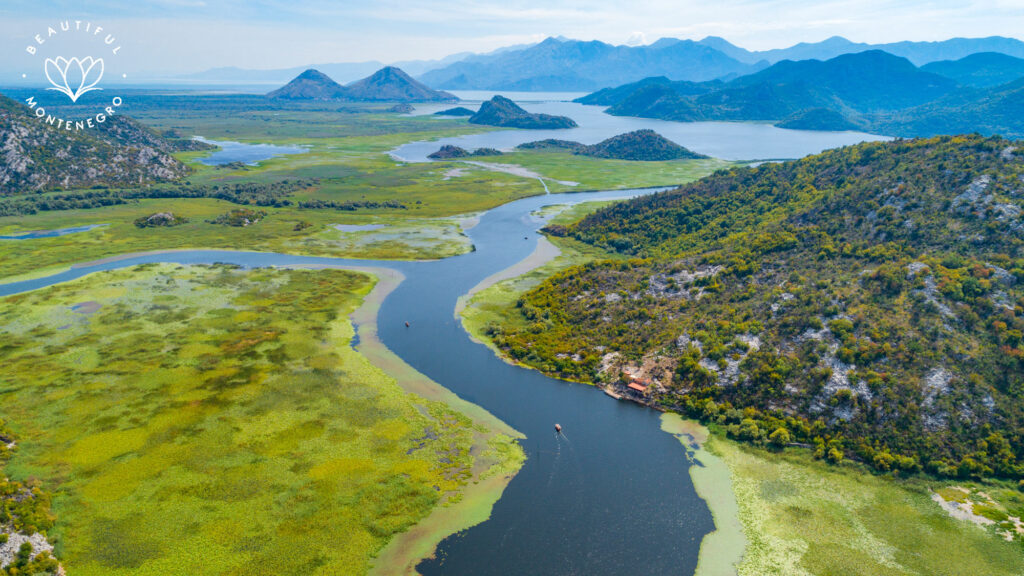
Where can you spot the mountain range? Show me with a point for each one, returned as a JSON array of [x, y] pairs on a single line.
[[872, 90], [569, 65], [389, 84]]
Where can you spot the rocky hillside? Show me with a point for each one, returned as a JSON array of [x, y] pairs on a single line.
[[867, 301], [121, 152], [500, 111]]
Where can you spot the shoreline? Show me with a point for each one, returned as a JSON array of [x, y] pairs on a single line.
[[490, 475], [722, 550]]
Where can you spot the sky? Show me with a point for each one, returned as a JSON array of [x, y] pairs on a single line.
[[167, 37]]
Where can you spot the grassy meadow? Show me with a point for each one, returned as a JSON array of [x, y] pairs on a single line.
[[212, 420], [347, 152]]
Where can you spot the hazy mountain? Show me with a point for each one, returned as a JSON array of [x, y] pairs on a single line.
[[917, 52], [119, 152], [818, 119], [392, 84], [389, 84], [558, 64], [996, 110], [310, 85], [982, 70], [870, 89], [500, 111]]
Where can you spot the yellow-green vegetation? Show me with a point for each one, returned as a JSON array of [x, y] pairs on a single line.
[[606, 174], [804, 517], [281, 230], [722, 550], [999, 508], [210, 420]]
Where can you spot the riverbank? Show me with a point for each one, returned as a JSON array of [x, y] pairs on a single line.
[[722, 550], [498, 457]]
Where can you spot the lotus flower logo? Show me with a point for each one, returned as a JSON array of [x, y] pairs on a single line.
[[74, 77]]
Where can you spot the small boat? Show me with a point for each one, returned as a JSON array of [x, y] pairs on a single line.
[[558, 427], [406, 323]]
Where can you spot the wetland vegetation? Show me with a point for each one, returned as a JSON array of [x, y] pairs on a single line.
[[206, 419]]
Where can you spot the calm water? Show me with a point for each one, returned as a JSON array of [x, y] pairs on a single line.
[[246, 153], [612, 496], [727, 140], [51, 233]]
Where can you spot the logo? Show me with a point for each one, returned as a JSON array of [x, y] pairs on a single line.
[[72, 57], [57, 73]]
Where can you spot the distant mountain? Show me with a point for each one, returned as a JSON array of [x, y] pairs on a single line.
[[560, 64], [342, 72], [500, 111], [119, 152], [982, 70], [818, 119], [639, 145], [389, 84], [998, 110], [393, 85], [871, 90], [310, 85], [918, 53]]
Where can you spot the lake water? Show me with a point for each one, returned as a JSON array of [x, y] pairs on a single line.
[[726, 140], [249, 154], [611, 496], [52, 233]]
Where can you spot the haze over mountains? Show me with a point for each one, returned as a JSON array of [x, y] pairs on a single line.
[[560, 63], [873, 91]]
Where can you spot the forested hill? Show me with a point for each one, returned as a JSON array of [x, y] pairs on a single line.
[[866, 300], [118, 152]]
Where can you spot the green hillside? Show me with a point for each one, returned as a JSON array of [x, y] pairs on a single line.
[[866, 301]]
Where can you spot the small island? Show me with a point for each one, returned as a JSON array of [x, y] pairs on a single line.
[[500, 111], [640, 145], [818, 119], [457, 111], [448, 152]]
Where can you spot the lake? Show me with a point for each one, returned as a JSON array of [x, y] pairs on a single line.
[[249, 154], [726, 140]]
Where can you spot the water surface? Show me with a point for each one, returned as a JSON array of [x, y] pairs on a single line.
[[249, 154], [51, 233], [726, 140]]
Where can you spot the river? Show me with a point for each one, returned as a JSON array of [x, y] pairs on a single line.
[[610, 496]]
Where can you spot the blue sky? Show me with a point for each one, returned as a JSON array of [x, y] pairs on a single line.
[[176, 36]]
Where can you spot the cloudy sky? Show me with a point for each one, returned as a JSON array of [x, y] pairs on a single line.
[[176, 36]]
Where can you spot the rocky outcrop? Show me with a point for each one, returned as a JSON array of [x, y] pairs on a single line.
[[118, 152], [500, 111]]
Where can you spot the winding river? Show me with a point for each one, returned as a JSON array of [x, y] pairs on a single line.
[[611, 496]]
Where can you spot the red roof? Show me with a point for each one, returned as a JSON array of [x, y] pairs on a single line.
[[637, 387]]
